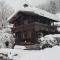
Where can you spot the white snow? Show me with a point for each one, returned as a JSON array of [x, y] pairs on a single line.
[[52, 39], [19, 47], [9, 26], [5, 36], [34, 10], [56, 23], [58, 29], [58, 16], [47, 54]]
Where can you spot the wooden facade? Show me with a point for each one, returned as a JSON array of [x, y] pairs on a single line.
[[28, 27]]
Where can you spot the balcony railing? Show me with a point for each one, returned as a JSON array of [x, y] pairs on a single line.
[[45, 27], [23, 27], [36, 26]]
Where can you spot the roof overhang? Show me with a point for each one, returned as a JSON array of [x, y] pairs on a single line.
[[33, 11]]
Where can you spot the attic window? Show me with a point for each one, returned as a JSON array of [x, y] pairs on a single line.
[[25, 5]]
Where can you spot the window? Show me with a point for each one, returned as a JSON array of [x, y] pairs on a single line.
[[26, 35]]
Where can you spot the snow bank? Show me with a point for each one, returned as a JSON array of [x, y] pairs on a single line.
[[19, 47]]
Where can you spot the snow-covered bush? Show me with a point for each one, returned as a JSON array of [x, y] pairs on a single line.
[[6, 39], [50, 40]]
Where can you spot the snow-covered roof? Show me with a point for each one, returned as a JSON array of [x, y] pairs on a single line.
[[57, 24], [34, 11], [58, 16]]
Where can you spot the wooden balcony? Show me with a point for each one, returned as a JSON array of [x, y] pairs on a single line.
[[44, 27], [22, 28], [36, 26]]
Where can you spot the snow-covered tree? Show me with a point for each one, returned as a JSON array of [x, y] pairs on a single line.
[[5, 12], [6, 39], [50, 7]]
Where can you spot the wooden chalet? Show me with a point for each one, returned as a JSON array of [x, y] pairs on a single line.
[[29, 24]]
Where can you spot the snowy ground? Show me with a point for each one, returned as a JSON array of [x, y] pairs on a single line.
[[46, 54], [20, 54]]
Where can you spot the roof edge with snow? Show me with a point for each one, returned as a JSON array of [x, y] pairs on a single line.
[[35, 11]]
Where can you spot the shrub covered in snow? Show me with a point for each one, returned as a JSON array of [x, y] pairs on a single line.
[[50, 40], [6, 39]]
